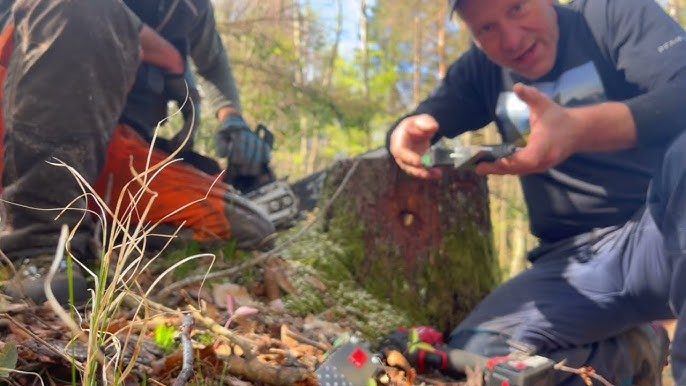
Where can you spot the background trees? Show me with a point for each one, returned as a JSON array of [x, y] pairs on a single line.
[[330, 76]]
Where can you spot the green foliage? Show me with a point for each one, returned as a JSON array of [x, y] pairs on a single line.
[[165, 337], [230, 251], [318, 256], [206, 339], [311, 92], [8, 359], [415, 344], [178, 253], [322, 107]]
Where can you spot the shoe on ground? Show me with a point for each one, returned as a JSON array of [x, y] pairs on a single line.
[[31, 274], [649, 347]]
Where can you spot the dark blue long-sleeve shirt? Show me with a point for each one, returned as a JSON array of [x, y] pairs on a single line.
[[609, 50]]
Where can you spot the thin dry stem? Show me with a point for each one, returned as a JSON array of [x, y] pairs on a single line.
[[57, 308], [582, 372], [37, 338], [187, 344], [114, 293]]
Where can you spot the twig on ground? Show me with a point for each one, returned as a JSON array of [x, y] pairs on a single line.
[[187, 368], [310, 342], [221, 330], [264, 256], [259, 372], [7, 261], [207, 321], [19, 288], [37, 338], [584, 373]]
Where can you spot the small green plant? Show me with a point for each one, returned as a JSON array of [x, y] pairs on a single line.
[[165, 337], [8, 359]]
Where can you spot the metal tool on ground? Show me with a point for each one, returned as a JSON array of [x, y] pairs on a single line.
[[353, 364], [516, 370], [350, 364], [466, 157]]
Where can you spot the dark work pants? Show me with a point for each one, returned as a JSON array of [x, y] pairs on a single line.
[[581, 294], [667, 202], [66, 85]]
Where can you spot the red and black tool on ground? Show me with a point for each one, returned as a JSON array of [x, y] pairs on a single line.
[[352, 364]]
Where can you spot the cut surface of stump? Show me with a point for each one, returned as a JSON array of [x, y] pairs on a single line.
[[424, 246]]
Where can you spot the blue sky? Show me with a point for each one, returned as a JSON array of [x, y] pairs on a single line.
[[351, 20]]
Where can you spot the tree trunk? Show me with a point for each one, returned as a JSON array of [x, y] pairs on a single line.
[[417, 61], [442, 21], [674, 10], [328, 72], [424, 246]]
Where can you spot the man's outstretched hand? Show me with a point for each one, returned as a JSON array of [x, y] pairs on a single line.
[[553, 138], [408, 143]]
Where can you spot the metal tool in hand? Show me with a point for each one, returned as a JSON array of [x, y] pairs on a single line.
[[466, 157]]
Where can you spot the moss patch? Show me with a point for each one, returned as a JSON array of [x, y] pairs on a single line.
[[344, 300]]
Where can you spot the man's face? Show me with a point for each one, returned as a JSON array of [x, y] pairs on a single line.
[[521, 35]]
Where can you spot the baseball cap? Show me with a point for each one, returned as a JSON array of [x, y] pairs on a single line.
[[452, 4]]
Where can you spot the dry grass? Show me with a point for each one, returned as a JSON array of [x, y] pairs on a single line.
[[122, 264]]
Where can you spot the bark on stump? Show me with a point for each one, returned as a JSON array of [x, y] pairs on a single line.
[[424, 246]]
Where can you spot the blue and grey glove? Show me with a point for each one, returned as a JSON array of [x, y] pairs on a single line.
[[247, 153], [182, 89]]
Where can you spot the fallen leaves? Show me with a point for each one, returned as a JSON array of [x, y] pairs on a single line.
[[8, 359], [239, 337]]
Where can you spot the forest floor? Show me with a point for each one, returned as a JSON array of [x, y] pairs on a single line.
[[243, 333], [247, 330]]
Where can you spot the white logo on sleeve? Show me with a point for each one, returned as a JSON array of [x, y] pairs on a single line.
[[667, 45]]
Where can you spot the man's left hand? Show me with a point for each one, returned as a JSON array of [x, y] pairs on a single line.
[[553, 137]]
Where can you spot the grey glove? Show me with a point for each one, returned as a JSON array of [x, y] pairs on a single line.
[[181, 88], [248, 154]]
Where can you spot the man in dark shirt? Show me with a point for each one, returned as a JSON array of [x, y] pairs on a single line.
[[67, 68], [189, 27], [599, 86]]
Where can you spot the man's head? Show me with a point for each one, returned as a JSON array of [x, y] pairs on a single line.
[[521, 35]]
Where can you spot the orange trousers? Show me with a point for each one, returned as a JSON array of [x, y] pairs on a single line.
[[176, 194]]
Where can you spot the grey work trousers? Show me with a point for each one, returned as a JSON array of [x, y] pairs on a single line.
[[581, 294], [72, 65]]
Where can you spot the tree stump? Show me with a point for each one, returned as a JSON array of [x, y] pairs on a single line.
[[424, 246]]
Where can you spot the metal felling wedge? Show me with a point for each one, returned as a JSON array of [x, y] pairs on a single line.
[[351, 364]]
